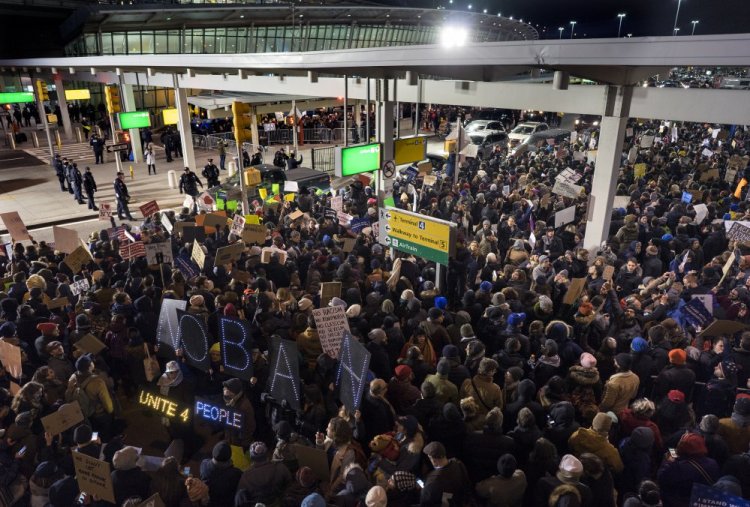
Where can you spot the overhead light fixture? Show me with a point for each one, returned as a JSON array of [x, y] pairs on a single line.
[[454, 36]]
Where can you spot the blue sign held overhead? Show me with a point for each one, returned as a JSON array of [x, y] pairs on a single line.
[[687, 197], [359, 223]]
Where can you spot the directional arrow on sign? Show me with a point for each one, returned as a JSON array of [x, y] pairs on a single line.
[[387, 228], [387, 216]]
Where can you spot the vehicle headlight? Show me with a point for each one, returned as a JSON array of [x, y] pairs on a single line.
[[596, 124], [578, 122]]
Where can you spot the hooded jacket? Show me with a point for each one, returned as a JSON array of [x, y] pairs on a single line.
[[562, 425], [636, 451], [588, 440]]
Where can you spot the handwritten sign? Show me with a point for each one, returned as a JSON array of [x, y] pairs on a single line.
[[159, 253], [238, 225], [66, 240], [254, 234], [149, 209], [58, 303], [268, 252], [739, 232], [93, 476], [166, 223], [331, 323], [14, 224], [90, 344], [66, 417], [10, 355], [78, 258], [198, 255], [567, 189], [80, 286], [230, 253], [577, 285], [565, 216]]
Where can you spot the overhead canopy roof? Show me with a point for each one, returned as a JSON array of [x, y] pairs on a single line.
[[217, 100]]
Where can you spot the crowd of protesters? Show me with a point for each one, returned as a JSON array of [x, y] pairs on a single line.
[[492, 387]]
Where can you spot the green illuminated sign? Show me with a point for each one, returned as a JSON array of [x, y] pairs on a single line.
[[357, 159], [16, 97], [134, 120]]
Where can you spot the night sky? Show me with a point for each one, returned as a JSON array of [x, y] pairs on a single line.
[[598, 18]]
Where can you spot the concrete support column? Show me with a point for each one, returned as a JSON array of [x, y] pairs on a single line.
[[183, 125], [254, 128], [63, 103], [128, 102], [607, 166]]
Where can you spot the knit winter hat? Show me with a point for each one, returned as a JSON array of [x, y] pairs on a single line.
[[404, 481], [639, 344], [467, 331], [222, 452], [82, 434], [516, 319], [376, 497], [742, 406], [709, 424], [126, 458], [258, 450], [570, 467], [443, 367], [677, 356], [588, 360], [691, 445], [305, 477]]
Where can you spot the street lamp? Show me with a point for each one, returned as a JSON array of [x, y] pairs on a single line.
[[572, 28], [677, 29], [619, 28], [561, 31], [694, 22], [677, 15]]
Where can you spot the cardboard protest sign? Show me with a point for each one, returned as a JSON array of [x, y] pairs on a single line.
[[349, 244], [354, 361], [80, 286], [90, 344], [723, 327], [93, 476], [197, 255], [331, 323], [66, 417], [194, 340], [576, 287], [608, 272], [166, 223], [711, 173], [10, 356], [429, 180], [159, 253], [66, 240], [739, 232], [168, 329], [283, 379], [236, 347], [565, 216], [238, 225], [647, 141], [254, 234], [105, 211], [328, 291], [295, 215], [227, 254], [706, 496], [269, 251], [314, 458], [213, 220], [14, 224], [58, 303], [240, 276], [149, 209], [337, 203]]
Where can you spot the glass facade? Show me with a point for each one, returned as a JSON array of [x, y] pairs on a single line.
[[262, 39]]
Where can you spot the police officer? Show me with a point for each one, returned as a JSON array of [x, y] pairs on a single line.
[[222, 153], [66, 173], [89, 186], [257, 157], [189, 182], [60, 172], [122, 196], [77, 179], [97, 143], [211, 173]]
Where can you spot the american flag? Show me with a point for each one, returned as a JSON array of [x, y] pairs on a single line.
[[131, 250]]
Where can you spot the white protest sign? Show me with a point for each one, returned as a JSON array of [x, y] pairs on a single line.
[[238, 225], [331, 323], [10, 355], [14, 224], [707, 153], [66, 240], [159, 253], [578, 156], [707, 300], [93, 476], [565, 216], [105, 211], [80, 286], [337, 203], [647, 141], [291, 186], [166, 223], [621, 201], [701, 212], [567, 189]]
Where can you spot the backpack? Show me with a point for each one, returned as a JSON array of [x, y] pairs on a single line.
[[88, 407]]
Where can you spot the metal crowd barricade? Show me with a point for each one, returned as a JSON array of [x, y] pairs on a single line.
[[323, 159]]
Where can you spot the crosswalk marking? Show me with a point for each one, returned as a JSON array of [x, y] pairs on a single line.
[[75, 152]]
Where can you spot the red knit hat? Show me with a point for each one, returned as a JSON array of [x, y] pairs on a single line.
[[676, 396], [47, 328], [690, 445], [677, 356], [403, 371]]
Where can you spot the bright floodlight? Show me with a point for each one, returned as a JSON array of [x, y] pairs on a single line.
[[454, 36]]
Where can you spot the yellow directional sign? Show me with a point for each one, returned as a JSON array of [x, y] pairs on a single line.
[[410, 149], [421, 235]]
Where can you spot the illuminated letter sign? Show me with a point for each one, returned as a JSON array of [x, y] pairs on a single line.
[[164, 406], [350, 378], [236, 347], [168, 330], [210, 411], [194, 340], [283, 384]]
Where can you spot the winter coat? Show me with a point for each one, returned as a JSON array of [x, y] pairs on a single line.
[[673, 376], [629, 422], [264, 482], [736, 436], [481, 450], [618, 391], [561, 426], [503, 492], [402, 395], [585, 390], [636, 452], [445, 390], [487, 394], [377, 415], [676, 478], [127, 483], [588, 440]]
